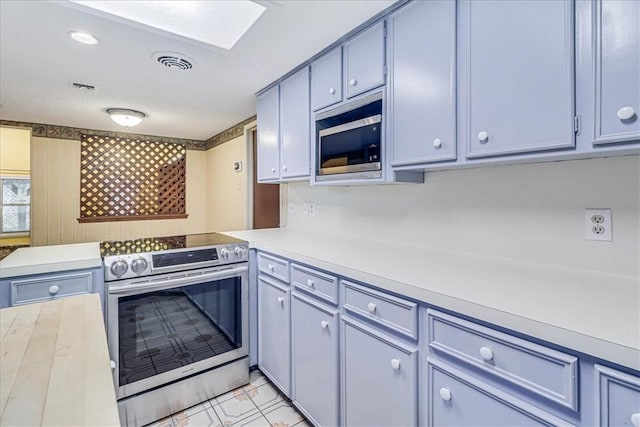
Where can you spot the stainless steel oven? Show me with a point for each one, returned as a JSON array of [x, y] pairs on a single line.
[[177, 338]]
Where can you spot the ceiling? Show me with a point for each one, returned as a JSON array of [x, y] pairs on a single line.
[[39, 63]]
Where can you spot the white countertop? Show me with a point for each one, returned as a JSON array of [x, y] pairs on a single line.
[[590, 312], [49, 259]]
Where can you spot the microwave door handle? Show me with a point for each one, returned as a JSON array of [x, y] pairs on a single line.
[[158, 285]]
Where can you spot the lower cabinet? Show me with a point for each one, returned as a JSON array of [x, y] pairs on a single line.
[[274, 341], [315, 363], [457, 399], [379, 378], [618, 398]]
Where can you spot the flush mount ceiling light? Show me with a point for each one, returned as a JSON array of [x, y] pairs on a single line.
[[126, 117], [81, 37], [217, 23]]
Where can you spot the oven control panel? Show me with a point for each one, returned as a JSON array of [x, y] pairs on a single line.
[[126, 266]]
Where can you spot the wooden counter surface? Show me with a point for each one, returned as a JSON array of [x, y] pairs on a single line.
[[54, 365]]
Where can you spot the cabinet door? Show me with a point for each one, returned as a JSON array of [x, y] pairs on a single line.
[[364, 61], [274, 332], [379, 378], [314, 345], [268, 135], [422, 63], [518, 72], [619, 398], [617, 71], [294, 125], [326, 79], [457, 399]]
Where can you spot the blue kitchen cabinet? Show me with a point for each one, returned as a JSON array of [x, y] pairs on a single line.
[[516, 76], [295, 142], [315, 363], [615, 67], [618, 397], [326, 79], [268, 144], [422, 50], [274, 328], [379, 377], [364, 62]]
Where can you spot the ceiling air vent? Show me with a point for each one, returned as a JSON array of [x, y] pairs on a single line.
[[174, 60]]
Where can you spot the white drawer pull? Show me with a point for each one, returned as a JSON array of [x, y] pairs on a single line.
[[273, 170], [625, 113], [332, 91], [353, 82], [483, 136], [486, 353], [445, 394], [280, 300], [324, 324], [310, 283], [113, 364], [270, 267], [437, 143], [54, 289], [635, 420], [372, 307], [284, 168], [395, 364]]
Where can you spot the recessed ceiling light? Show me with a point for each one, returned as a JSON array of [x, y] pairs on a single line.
[[81, 37], [217, 23], [126, 117]]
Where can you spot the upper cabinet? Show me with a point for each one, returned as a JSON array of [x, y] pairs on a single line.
[[422, 43], [284, 130], [364, 67], [326, 83], [517, 75]]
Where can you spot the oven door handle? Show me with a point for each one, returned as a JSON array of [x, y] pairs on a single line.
[[157, 285]]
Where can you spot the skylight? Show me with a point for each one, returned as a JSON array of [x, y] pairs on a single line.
[[219, 23]]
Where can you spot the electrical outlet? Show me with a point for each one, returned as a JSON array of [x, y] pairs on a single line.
[[291, 207], [312, 208], [598, 225], [305, 208]]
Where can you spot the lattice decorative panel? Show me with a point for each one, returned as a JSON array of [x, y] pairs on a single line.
[[129, 179]]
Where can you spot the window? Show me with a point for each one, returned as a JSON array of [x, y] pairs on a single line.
[[15, 202]]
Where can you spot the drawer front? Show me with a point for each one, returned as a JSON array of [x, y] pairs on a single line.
[[395, 313], [274, 267], [47, 288], [618, 398], [457, 399], [540, 370], [320, 284]]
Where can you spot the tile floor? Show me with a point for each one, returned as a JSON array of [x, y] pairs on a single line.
[[258, 404]]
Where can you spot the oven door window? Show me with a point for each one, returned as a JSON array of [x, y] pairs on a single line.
[[165, 330]]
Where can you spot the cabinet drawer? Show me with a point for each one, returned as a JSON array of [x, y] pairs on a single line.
[[46, 288], [320, 284], [394, 313], [540, 370], [274, 267], [457, 399], [618, 398]]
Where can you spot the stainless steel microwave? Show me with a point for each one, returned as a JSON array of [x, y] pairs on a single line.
[[349, 140]]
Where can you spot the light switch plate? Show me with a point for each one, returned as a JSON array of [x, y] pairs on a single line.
[[291, 208]]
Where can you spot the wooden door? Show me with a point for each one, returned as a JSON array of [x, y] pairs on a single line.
[[266, 198]]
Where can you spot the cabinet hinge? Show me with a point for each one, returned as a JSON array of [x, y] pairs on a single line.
[[384, 30], [385, 69], [576, 124]]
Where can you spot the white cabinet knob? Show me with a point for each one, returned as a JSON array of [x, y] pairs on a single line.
[[625, 113], [273, 170], [372, 307], [284, 168], [486, 353], [353, 82], [310, 283], [483, 136], [324, 324], [445, 394], [113, 364], [395, 364], [270, 267], [54, 289], [635, 419], [280, 300], [332, 91], [437, 143]]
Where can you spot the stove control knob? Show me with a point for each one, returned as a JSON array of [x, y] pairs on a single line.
[[239, 252], [224, 253], [118, 268], [139, 265]]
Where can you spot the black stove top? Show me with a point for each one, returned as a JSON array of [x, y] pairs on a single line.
[[155, 244]]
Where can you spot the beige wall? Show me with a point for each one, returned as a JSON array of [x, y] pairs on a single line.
[[226, 190], [15, 151], [530, 212], [55, 195]]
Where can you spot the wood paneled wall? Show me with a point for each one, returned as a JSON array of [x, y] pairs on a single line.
[[55, 194]]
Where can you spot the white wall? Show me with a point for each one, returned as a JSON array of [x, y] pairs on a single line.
[[532, 212]]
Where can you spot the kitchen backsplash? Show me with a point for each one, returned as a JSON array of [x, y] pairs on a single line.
[[531, 212]]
